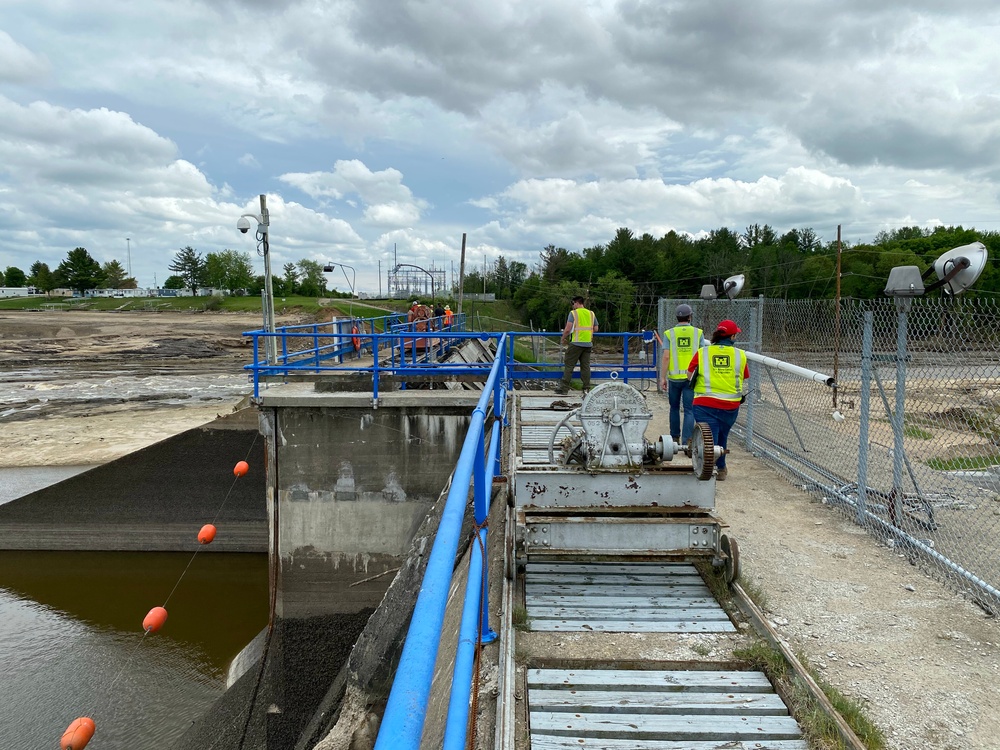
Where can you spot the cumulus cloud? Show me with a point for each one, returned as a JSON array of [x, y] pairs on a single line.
[[388, 202], [521, 122], [18, 64]]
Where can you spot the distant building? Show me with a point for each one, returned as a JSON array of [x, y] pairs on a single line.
[[122, 293], [19, 291]]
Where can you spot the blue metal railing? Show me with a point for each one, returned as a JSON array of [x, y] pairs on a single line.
[[408, 348], [406, 710]]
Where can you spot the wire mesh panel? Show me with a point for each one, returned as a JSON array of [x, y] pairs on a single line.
[[707, 314], [908, 443]]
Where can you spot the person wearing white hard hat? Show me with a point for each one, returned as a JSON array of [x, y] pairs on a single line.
[[679, 346]]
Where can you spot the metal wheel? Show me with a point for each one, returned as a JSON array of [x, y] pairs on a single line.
[[702, 451], [732, 552], [569, 443]]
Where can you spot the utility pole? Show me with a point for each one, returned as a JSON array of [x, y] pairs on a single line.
[[380, 278], [836, 325], [461, 275], [128, 255], [269, 323]]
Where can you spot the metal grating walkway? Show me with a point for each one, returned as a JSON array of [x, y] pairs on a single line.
[[621, 598], [617, 709]]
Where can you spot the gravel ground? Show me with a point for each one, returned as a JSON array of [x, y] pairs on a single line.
[[922, 661]]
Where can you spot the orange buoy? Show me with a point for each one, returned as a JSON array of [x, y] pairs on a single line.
[[154, 620], [241, 468], [207, 534], [78, 734]]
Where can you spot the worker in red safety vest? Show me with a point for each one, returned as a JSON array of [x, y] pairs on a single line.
[[719, 372]]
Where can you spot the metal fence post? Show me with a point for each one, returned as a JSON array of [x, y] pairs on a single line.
[[902, 312], [866, 393], [748, 436], [759, 332]]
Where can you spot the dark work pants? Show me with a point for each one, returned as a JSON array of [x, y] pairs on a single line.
[[576, 354], [720, 422]]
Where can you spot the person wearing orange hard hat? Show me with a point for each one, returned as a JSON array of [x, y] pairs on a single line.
[[719, 372]]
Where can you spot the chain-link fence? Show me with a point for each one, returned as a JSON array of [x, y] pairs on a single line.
[[908, 443]]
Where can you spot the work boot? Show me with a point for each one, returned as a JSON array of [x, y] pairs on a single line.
[[721, 476]]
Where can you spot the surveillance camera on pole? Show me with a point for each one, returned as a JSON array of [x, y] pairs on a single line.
[[263, 220]]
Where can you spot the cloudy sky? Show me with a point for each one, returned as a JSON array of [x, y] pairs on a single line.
[[382, 130]]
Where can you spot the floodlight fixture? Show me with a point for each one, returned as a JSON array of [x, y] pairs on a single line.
[[331, 265], [904, 281], [708, 292], [734, 285], [956, 270], [959, 268]]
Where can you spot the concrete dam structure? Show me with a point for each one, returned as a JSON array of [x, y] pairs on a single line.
[[349, 485]]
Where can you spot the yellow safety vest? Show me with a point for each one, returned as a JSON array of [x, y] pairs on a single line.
[[583, 325], [683, 341], [720, 372]]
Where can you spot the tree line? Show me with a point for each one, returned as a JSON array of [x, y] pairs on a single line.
[[624, 279], [228, 270]]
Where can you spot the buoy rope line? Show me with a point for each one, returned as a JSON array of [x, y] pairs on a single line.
[[81, 730]]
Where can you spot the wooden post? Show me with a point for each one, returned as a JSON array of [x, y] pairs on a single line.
[[836, 325], [461, 275]]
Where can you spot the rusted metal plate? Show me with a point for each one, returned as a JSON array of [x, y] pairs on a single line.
[[573, 487], [657, 710], [621, 598]]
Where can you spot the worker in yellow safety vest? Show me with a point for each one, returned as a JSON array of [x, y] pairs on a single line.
[[580, 329], [719, 372], [679, 346]]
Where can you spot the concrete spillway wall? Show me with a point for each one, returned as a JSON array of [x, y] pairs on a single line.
[[352, 484], [155, 499]]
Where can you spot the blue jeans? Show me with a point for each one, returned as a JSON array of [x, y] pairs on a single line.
[[680, 392], [720, 422]]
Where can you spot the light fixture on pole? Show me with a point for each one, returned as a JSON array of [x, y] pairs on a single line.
[[957, 270], [734, 285], [328, 268], [263, 249]]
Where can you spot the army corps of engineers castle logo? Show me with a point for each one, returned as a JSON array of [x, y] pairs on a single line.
[[722, 361], [683, 342]]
